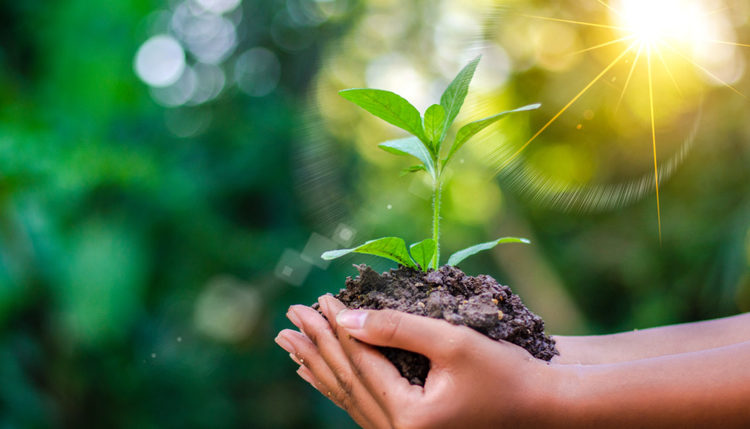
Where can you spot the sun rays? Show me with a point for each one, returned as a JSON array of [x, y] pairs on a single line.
[[647, 29]]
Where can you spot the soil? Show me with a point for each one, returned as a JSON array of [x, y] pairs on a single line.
[[478, 302]]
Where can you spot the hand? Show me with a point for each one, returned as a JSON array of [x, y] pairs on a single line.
[[473, 381]]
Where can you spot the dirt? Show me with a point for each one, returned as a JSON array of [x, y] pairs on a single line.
[[478, 302]]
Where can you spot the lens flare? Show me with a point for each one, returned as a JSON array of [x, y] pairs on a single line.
[[660, 35], [652, 21]]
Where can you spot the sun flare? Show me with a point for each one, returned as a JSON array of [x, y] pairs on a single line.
[[656, 21], [656, 36]]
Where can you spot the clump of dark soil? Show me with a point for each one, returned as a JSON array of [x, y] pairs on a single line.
[[478, 302]]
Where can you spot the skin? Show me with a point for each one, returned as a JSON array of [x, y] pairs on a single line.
[[654, 342], [477, 382]]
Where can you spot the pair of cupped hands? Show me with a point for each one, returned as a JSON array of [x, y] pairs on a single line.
[[473, 380]]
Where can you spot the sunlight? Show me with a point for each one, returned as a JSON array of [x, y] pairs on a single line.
[[653, 22], [684, 30]]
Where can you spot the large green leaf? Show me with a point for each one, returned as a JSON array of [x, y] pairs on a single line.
[[392, 248], [471, 129], [423, 252], [453, 97], [411, 146], [459, 256], [434, 123], [388, 106]]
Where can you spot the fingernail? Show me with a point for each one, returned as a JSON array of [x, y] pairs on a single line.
[[323, 301], [292, 315], [305, 375], [351, 319], [295, 359], [284, 343]]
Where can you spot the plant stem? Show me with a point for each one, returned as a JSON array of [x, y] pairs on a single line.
[[436, 195]]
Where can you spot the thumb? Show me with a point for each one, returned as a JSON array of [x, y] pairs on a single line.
[[389, 328]]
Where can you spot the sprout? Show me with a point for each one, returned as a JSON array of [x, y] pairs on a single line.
[[426, 145]]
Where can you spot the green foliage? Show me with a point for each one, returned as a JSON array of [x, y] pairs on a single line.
[[453, 98], [459, 256], [414, 147], [423, 252], [389, 107], [434, 125], [472, 128], [426, 147], [392, 248]]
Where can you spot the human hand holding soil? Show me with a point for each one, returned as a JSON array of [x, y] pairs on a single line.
[[476, 382], [473, 381]]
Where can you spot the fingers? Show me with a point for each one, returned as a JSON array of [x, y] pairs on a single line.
[[382, 380], [430, 337], [307, 375], [320, 334], [328, 363], [305, 354], [323, 381]]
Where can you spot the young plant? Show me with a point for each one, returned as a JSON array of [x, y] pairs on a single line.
[[426, 145]]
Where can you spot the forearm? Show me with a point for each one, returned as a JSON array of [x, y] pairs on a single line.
[[648, 343], [709, 388]]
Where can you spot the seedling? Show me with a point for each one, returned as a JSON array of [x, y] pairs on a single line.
[[426, 145]]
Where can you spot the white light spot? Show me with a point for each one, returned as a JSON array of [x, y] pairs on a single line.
[[292, 268], [494, 70], [227, 309], [316, 245], [153, 355], [160, 61], [179, 339], [344, 234], [389, 206], [396, 73], [211, 81], [179, 92], [257, 72], [211, 38], [219, 6]]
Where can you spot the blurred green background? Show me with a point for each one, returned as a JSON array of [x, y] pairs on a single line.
[[170, 170]]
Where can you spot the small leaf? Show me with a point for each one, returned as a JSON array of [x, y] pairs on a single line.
[[413, 169], [471, 129], [453, 97], [434, 123], [459, 256], [423, 252], [388, 106], [411, 146], [392, 248]]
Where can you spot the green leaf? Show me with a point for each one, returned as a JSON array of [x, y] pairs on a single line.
[[434, 123], [392, 248], [454, 95], [388, 106], [413, 169], [414, 147], [459, 256], [423, 252], [471, 129]]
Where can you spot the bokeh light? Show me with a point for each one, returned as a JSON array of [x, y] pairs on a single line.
[[257, 72], [187, 66], [169, 171], [160, 61]]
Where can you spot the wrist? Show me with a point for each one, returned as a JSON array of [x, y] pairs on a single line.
[[555, 397]]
